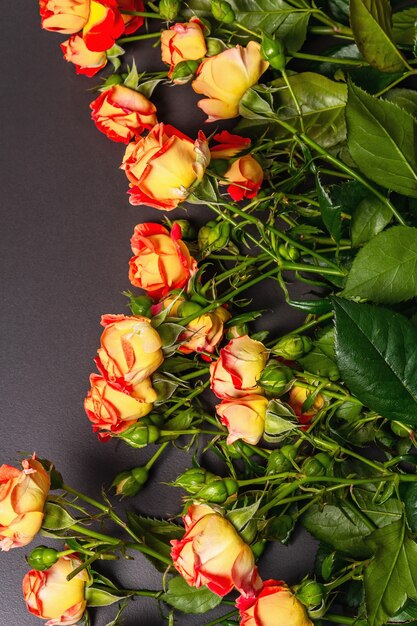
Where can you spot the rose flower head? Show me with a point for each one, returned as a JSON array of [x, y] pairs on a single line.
[[131, 22], [244, 418], [162, 261], [122, 113], [212, 553], [297, 397], [224, 78], [64, 16], [105, 24], [86, 62], [23, 495], [164, 166], [275, 605], [243, 178], [49, 595], [183, 42], [228, 145]]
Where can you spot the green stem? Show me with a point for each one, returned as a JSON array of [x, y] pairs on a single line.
[[82, 496], [315, 322], [157, 454], [142, 14], [200, 372], [219, 620], [340, 619], [315, 57], [192, 395], [315, 269], [138, 37], [231, 272]]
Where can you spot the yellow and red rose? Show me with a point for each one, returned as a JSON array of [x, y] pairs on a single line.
[[224, 78], [163, 167], [244, 418], [183, 42], [274, 605], [122, 113], [86, 62], [22, 499], [244, 178], [131, 22], [49, 595], [104, 25], [64, 16], [297, 397], [212, 553], [228, 145], [162, 261]]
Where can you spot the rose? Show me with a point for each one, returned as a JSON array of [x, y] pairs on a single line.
[[183, 42], [297, 397], [205, 332], [49, 595], [212, 553], [64, 16], [246, 177], [164, 166], [238, 367], [224, 78], [274, 605], [130, 349], [122, 113], [112, 408], [105, 24], [131, 22], [22, 499], [244, 418], [85, 61], [162, 261], [229, 145]]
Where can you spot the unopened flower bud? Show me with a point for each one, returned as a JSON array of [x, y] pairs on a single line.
[[42, 558], [218, 491], [273, 51], [276, 378], [292, 347], [140, 435], [239, 330], [214, 46], [278, 463], [193, 479], [213, 236], [290, 253], [313, 466], [141, 305], [258, 548], [129, 483], [184, 72], [310, 593], [168, 9], [188, 231], [188, 307], [222, 11]]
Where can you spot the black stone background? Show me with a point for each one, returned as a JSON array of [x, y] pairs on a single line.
[[65, 241]]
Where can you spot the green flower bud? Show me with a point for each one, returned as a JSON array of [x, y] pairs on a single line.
[[188, 231], [273, 51], [324, 458], [310, 593], [287, 252], [238, 449], [289, 451], [141, 305], [292, 347], [313, 467], [222, 11], [279, 528], [42, 558], [168, 9], [275, 378], [218, 491], [214, 46], [113, 79], [129, 483], [193, 479], [237, 331], [258, 548], [140, 435], [189, 308], [184, 72], [278, 463], [213, 236]]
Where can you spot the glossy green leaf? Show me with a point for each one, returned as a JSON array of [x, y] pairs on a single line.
[[155, 534], [391, 577], [409, 497], [189, 599], [404, 26], [407, 615], [330, 211], [377, 357], [381, 139], [404, 98], [368, 219], [321, 359], [385, 269], [371, 25]]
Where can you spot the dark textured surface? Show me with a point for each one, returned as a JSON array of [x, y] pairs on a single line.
[[65, 241]]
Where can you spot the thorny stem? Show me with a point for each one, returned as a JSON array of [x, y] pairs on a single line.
[[157, 454]]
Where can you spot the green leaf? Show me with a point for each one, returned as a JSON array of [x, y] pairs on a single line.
[[330, 211], [385, 270], [368, 219], [391, 577], [279, 421], [102, 597], [56, 517], [381, 514], [404, 26], [407, 615], [409, 497], [255, 105], [404, 98], [321, 359], [377, 358], [189, 599], [371, 25], [381, 140], [155, 534]]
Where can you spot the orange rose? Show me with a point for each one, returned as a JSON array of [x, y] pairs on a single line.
[[105, 24], [131, 22], [204, 333], [229, 145], [130, 349], [238, 368], [164, 166], [64, 16], [244, 418], [298, 395], [212, 553], [22, 499], [162, 261], [122, 113], [224, 78], [85, 61], [183, 42], [49, 595], [274, 605], [246, 177], [112, 408]]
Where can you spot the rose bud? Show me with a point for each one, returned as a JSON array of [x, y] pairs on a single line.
[[218, 491], [275, 604], [122, 113], [193, 479], [86, 62], [310, 593], [188, 231], [42, 558], [49, 595], [212, 553], [131, 22], [130, 349], [276, 378], [140, 435], [292, 347], [238, 367], [244, 418], [64, 16], [162, 261], [225, 77], [204, 333], [184, 72], [298, 396], [164, 166], [113, 408], [23, 495], [244, 178], [129, 483], [105, 24], [229, 145], [168, 9], [213, 236], [183, 42]]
